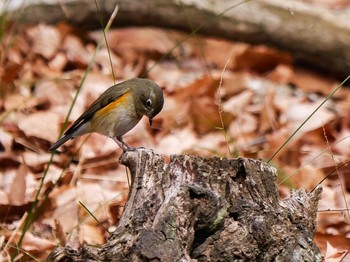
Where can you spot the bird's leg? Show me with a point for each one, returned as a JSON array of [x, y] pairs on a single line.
[[119, 140]]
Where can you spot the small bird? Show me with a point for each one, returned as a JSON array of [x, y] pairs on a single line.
[[117, 111]]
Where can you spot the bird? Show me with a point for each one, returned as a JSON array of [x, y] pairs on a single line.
[[116, 111]]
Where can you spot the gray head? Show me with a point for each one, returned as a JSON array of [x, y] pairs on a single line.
[[148, 97]]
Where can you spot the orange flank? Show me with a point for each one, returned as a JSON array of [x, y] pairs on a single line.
[[108, 108]]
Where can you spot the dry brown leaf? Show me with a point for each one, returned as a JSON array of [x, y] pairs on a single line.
[[35, 243], [282, 74], [35, 161], [143, 40], [175, 79], [57, 93], [342, 200], [269, 113], [91, 234], [311, 82], [59, 233], [332, 216], [213, 143], [15, 53], [14, 180], [238, 104], [103, 61], [58, 62], [335, 255], [4, 199], [6, 140], [315, 154], [97, 146], [232, 84], [218, 52], [245, 123], [205, 85], [274, 141], [75, 51], [17, 192], [46, 40], [40, 124], [259, 58], [14, 213], [8, 74], [205, 115], [307, 177], [4, 255], [136, 69], [95, 84], [16, 102], [96, 203], [284, 191], [341, 144], [248, 145], [66, 208], [40, 68], [297, 113], [170, 120], [343, 171], [177, 142]]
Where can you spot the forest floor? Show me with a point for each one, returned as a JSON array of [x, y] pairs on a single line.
[[222, 98]]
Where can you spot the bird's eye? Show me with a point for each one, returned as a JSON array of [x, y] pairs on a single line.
[[148, 103]]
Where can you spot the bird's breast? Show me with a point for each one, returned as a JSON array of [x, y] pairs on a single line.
[[117, 118]]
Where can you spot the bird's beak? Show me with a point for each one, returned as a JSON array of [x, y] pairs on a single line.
[[150, 121]]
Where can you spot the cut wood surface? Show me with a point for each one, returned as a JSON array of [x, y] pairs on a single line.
[[206, 209], [315, 34]]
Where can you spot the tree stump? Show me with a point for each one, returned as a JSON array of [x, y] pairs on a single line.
[[206, 209]]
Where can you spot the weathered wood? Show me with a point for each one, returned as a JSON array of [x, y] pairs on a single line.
[[207, 209], [312, 33]]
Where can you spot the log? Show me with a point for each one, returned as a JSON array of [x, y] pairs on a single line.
[[312, 33], [206, 209]]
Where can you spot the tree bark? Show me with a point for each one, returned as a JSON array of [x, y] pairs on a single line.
[[206, 209], [312, 33]]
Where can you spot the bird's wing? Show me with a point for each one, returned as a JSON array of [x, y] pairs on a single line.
[[109, 96]]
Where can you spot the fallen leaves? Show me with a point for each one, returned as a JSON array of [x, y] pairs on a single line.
[[249, 109]]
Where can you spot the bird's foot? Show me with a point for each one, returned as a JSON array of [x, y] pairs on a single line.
[[124, 146]]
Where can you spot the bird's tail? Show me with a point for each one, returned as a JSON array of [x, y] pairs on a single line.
[[60, 142]]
